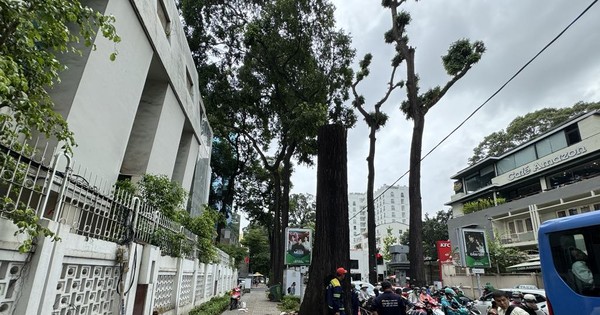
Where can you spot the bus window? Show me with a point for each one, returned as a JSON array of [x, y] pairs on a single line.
[[576, 257]]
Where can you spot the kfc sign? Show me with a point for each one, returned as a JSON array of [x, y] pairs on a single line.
[[444, 250]]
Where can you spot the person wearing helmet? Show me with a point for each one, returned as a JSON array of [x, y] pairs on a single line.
[[517, 298], [529, 304], [447, 299], [504, 308], [335, 293], [413, 296]]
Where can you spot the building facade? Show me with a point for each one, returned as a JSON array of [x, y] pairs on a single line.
[[391, 212], [143, 112], [552, 176], [140, 114]]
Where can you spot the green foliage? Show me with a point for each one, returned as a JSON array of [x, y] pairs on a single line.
[[24, 217], [236, 252], [524, 128], [204, 227], [434, 229], [302, 211], [502, 257], [34, 34], [388, 241], [461, 55], [481, 203], [216, 306], [257, 242], [289, 303], [159, 192]]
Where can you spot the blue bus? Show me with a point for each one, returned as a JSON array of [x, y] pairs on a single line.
[[570, 261]]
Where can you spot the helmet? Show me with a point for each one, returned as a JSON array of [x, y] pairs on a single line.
[[449, 291], [517, 294], [423, 289]]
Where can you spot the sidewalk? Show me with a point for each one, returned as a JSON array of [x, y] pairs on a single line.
[[257, 303]]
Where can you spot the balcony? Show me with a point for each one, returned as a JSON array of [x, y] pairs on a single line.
[[515, 238]]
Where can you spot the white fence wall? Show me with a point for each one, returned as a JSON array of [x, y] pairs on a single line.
[[105, 262]]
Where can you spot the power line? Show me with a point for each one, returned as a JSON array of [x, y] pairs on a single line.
[[487, 100]]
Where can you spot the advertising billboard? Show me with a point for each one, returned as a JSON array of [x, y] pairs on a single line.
[[298, 247], [475, 248]]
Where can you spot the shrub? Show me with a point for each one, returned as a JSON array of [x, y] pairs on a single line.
[[290, 303], [482, 203], [215, 306]]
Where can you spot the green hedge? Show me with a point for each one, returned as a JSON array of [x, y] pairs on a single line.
[[216, 306], [290, 303]]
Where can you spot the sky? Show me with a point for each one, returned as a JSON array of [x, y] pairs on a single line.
[[513, 32]]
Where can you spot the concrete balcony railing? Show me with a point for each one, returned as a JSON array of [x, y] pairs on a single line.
[[517, 237]]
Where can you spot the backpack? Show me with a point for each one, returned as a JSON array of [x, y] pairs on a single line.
[[509, 309]]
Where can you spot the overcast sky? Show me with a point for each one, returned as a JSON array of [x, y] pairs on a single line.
[[513, 31]]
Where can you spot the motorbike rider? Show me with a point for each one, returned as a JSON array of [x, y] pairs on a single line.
[[234, 298], [413, 296], [529, 304], [448, 306], [363, 295]]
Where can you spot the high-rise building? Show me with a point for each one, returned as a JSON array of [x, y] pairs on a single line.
[[391, 212]]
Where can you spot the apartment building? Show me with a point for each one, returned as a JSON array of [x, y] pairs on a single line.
[[552, 176], [391, 212]]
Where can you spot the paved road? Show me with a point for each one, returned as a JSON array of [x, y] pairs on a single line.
[[257, 303]]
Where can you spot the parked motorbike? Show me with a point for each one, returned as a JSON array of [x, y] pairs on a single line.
[[234, 300]]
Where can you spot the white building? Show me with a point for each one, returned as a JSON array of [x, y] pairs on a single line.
[[391, 211]]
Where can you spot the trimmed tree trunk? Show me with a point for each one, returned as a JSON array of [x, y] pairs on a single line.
[[332, 231], [415, 236], [371, 238]]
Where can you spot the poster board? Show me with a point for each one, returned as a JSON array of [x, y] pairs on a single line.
[[475, 249], [298, 248]]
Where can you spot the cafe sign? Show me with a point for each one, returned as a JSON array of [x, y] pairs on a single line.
[[546, 162]]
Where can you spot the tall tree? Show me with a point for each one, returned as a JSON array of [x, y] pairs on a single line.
[[375, 120], [257, 242], [332, 232], [461, 56], [288, 74], [33, 35], [525, 128], [435, 229]]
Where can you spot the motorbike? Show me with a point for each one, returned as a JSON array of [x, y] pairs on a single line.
[[426, 308], [234, 300]]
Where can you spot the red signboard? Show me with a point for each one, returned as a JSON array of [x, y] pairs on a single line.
[[444, 250]]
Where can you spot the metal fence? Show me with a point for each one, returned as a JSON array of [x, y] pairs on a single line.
[[35, 179]]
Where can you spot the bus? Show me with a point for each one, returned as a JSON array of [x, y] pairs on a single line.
[[570, 262]]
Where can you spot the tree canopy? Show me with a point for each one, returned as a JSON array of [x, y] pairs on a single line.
[[271, 72], [525, 128], [34, 34]]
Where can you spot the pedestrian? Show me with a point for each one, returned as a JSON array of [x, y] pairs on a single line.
[[388, 302], [504, 307], [335, 293], [530, 305], [355, 300]]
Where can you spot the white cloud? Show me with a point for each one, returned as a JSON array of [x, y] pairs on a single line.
[[513, 32]]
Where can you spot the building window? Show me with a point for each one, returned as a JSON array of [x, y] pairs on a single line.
[[572, 134], [164, 18], [392, 201], [393, 214], [353, 264], [392, 194], [402, 195], [550, 144]]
